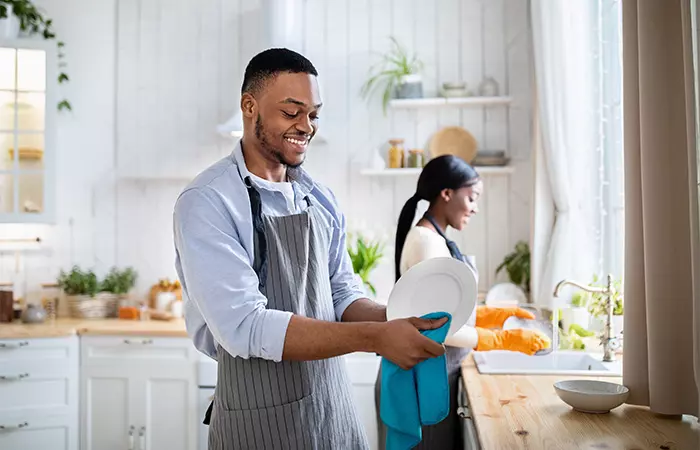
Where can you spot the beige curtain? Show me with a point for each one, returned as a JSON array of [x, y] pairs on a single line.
[[661, 350]]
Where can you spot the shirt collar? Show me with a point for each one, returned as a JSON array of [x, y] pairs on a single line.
[[297, 176]]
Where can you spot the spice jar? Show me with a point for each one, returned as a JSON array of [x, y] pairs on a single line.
[[415, 158], [396, 154], [7, 302], [50, 297]]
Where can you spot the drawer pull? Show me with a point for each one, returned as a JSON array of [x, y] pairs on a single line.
[[142, 341], [13, 344], [19, 426], [14, 377]]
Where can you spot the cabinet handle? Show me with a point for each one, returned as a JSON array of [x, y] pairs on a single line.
[[19, 426], [131, 438], [13, 344], [142, 341], [13, 377], [142, 438]]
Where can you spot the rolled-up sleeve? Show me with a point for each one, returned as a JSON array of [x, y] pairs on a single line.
[[345, 286], [220, 281]]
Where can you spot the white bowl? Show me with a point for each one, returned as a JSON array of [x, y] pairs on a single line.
[[591, 396]]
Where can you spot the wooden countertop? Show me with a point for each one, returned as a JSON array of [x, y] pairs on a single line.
[[524, 412], [69, 327]]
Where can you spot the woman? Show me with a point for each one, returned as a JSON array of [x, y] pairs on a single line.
[[452, 187]]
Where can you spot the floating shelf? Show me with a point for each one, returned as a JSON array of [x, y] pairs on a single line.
[[483, 170], [439, 102]]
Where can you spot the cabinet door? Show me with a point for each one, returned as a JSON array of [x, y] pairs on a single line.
[[51, 432], [167, 408], [109, 399], [362, 369]]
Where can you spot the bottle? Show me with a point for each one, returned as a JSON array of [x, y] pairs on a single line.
[[415, 158], [396, 154]]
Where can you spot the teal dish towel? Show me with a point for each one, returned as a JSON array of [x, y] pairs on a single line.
[[416, 397]]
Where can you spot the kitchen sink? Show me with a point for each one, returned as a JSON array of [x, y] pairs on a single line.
[[555, 363]]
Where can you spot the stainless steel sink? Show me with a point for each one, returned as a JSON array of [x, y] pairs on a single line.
[[556, 363]]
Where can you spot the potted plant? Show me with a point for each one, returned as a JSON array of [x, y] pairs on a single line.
[[365, 257], [115, 286], [80, 287], [577, 313], [398, 74], [517, 265], [19, 17], [598, 305]]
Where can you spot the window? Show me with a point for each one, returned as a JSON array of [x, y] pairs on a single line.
[[611, 227], [26, 189]]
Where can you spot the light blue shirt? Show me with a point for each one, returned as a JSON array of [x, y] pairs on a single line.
[[213, 230]]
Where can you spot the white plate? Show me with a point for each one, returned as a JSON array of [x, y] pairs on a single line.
[[435, 285], [504, 294]]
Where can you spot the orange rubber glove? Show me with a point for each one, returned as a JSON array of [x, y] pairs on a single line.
[[493, 317], [518, 340]]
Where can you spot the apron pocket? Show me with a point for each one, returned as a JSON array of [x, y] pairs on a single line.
[[289, 426]]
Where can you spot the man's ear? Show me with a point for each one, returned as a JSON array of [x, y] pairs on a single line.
[[249, 106]]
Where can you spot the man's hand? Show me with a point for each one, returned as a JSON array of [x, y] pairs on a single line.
[[401, 342], [493, 317]]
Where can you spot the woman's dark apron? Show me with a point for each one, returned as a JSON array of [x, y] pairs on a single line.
[[446, 435], [262, 404]]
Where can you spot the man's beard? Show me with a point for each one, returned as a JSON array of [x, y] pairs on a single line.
[[271, 151]]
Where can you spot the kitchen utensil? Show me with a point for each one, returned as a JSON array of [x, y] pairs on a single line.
[[591, 396], [454, 141], [543, 326], [435, 285], [33, 314]]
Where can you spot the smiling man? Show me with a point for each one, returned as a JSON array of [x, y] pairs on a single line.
[[271, 295]]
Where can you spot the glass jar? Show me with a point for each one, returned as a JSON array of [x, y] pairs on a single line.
[[415, 158], [7, 302], [396, 154], [50, 298]]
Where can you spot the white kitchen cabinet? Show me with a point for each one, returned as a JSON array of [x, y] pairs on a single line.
[[362, 369], [138, 393], [39, 394]]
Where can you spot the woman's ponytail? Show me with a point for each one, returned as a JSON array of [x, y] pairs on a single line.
[[408, 213]]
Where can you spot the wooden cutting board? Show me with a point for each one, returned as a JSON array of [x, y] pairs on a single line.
[[454, 141]]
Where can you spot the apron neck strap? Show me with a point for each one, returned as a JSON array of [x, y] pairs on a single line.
[[451, 245]]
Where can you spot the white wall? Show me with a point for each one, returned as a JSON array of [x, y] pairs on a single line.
[[150, 80]]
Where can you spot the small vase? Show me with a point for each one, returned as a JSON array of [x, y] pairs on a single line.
[[9, 26], [33, 314]]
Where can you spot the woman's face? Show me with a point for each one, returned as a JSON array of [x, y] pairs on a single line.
[[461, 205]]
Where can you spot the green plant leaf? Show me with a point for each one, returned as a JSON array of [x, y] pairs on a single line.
[[62, 78], [64, 104]]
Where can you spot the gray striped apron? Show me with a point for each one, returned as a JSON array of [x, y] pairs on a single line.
[[261, 404], [447, 434]]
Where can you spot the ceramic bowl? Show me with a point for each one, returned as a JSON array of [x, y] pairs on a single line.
[[591, 396]]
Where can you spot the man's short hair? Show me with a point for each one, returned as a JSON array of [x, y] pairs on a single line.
[[269, 63]]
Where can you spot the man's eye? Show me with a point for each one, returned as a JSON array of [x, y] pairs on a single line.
[[291, 116]]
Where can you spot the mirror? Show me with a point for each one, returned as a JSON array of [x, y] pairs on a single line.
[[23, 133]]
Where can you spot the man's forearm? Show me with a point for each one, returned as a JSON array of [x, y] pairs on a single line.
[[310, 339], [364, 310]]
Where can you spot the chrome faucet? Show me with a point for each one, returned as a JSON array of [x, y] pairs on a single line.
[[609, 341]]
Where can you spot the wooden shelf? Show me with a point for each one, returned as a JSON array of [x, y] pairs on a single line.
[[440, 102], [483, 170]]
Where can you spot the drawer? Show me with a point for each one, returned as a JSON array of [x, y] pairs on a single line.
[[37, 391], [27, 432], [108, 350], [48, 350]]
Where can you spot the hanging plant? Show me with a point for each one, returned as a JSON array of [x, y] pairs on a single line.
[[33, 22]]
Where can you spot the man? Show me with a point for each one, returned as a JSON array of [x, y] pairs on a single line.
[[272, 297]]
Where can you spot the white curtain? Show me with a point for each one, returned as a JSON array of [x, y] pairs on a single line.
[[566, 211]]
